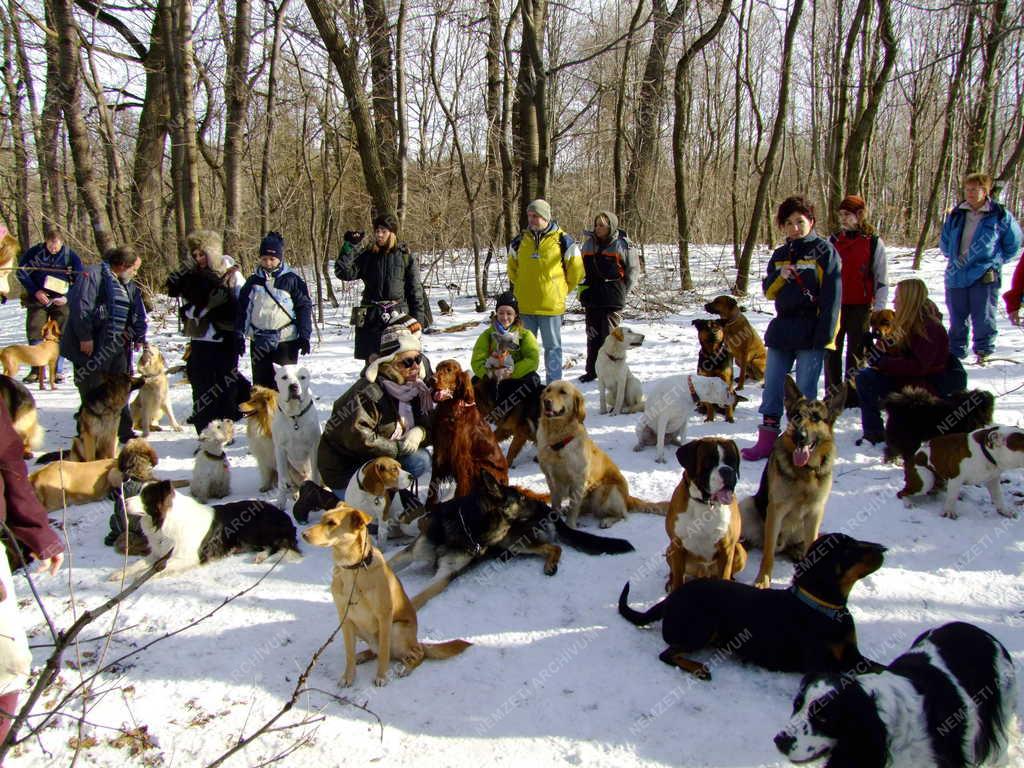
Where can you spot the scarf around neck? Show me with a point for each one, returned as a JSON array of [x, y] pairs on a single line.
[[405, 394]]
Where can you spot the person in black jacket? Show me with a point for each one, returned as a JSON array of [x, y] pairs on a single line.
[[274, 312], [391, 282], [209, 284]]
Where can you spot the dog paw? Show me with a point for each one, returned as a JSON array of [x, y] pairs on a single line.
[[177, 428], [347, 680], [380, 681], [763, 582], [950, 515], [550, 570], [661, 460], [1007, 513], [701, 672]]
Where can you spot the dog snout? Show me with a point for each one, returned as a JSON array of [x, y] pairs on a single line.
[[784, 742], [709, 308], [728, 475]]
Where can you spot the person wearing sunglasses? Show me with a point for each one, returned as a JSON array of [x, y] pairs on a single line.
[[385, 413]]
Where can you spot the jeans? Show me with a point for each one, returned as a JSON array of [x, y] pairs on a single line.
[[979, 304], [548, 329], [780, 362], [263, 359], [416, 464]]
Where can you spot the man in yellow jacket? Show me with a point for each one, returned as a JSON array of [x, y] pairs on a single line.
[[544, 265]]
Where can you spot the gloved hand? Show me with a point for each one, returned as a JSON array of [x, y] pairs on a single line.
[[240, 344], [412, 440], [303, 346], [354, 236]]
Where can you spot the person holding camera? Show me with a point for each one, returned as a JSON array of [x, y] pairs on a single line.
[[274, 312], [978, 237], [391, 282]]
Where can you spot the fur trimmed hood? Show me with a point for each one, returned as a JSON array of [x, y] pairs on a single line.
[[211, 244]]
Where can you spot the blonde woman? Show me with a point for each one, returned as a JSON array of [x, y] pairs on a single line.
[[917, 354]]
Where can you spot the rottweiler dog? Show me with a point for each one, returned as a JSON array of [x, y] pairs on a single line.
[[805, 628], [714, 359]]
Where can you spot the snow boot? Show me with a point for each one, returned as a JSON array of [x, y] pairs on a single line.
[[766, 436]]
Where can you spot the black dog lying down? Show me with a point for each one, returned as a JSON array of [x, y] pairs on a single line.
[[805, 628], [498, 521]]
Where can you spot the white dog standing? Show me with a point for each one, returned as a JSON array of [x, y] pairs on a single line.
[[615, 382], [669, 406], [296, 431]]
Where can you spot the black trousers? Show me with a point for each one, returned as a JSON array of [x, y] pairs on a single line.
[[213, 373], [599, 323], [853, 326], [263, 359]]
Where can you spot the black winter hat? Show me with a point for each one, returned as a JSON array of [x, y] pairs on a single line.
[[272, 244], [387, 221], [506, 299]]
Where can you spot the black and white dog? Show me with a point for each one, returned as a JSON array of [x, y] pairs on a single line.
[[947, 702], [199, 533]]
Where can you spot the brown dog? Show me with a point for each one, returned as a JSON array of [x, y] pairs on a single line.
[[40, 356], [703, 520], [22, 408], [714, 359], [371, 602], [79, 482], [744, 343], [463, 442], [98, 418]]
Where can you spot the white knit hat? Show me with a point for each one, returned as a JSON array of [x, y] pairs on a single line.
[[393, 343]]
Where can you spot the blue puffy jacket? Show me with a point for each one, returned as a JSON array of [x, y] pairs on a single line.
[[996, 241], [45, 264]]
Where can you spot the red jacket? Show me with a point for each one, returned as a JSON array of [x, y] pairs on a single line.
[[926, 355], [19, 507], [1013, 296]]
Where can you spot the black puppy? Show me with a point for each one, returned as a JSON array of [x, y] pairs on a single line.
[[805, 628]]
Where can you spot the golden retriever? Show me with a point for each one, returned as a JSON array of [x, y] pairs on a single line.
[[580, 475]]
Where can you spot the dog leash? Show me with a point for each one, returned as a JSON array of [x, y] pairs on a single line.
[[477, 549], [364, 563]]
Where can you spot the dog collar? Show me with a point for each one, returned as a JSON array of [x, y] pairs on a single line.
[[831, 610], [299, 415], [477, 549], [214, 456], [986, 454], [364, 563], [561, 443], [613, 357], [703, 498]]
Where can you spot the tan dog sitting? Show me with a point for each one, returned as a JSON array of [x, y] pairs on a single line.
[[371, 602], [40, 356]]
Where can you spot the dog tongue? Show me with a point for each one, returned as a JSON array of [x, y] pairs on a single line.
[[723, 496], [441, 395], [802, 455]]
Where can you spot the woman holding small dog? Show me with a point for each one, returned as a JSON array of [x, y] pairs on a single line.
[[919, 355], [385, 413], [507, 355], [803, 278], [862, 254], [209, 284]]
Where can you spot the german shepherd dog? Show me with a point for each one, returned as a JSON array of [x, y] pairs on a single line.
[[790, 502], [498, 520]]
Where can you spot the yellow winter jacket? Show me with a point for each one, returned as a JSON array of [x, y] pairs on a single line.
[[543, 269]]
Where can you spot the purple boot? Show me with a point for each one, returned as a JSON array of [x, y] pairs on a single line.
[[762, 449]]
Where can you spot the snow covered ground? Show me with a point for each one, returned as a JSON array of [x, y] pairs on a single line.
[[555, 676]]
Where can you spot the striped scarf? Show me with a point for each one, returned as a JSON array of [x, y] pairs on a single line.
[[122, 303]]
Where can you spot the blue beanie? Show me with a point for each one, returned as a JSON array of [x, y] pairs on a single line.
[[272, 244]]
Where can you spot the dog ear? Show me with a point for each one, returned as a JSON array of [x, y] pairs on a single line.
[[619, 334], [836, 403], [490, 484], [686, 455], [464, 388], [992, 438], [792, 394], [579, 406], [698, 324], [153, 458]]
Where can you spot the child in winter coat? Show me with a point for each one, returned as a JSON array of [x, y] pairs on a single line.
[[274, 312], [803, 277], [862, 254], [507, 355]]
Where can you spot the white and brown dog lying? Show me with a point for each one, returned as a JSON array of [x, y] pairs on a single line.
[[975, 458], [371, 602], [669, 406], [372, 489], [703, 520], [195, 533]]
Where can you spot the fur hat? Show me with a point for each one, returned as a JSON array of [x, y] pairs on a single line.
[[272, 244], [541, 207], [853, 204], [210, 243], [393, 343], [386, 221]]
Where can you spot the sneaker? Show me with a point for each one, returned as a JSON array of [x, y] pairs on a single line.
[[586, 378], [32, 378]]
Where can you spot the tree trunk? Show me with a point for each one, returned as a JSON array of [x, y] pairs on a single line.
[[54, 209], [70, 92], [403, 117], [268, 133], [978, 125], [236, 98], [382, 78], [22, 204], [532, 132], [620, 111], [778, 129]]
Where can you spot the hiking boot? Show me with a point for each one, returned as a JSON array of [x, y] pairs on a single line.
[[32, 378], [767, 434], [586, 378], [982, 358], [311, 498]]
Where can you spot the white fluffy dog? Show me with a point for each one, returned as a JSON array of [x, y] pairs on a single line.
[[296, 431], [211, 477], [669, 407], [615, 382]]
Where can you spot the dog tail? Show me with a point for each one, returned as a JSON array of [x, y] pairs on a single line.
[[445, 650], [633, 616], [48, 458], [633, 504], [590, 543]]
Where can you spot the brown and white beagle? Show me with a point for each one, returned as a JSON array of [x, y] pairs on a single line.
[[373, 486], [703, 520]]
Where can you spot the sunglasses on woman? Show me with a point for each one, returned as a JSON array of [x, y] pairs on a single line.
[[409, 362]]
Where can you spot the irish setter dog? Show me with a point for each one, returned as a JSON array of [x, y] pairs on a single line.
[[463, 442]]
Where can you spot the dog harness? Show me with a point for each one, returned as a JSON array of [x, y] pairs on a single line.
[[834, 612], [295, 419]]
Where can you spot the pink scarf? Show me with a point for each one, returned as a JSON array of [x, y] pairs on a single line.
[[405, 394]]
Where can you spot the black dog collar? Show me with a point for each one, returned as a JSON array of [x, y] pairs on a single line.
[[986, 454], [364, 563], [834, 612], [295, 419]]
